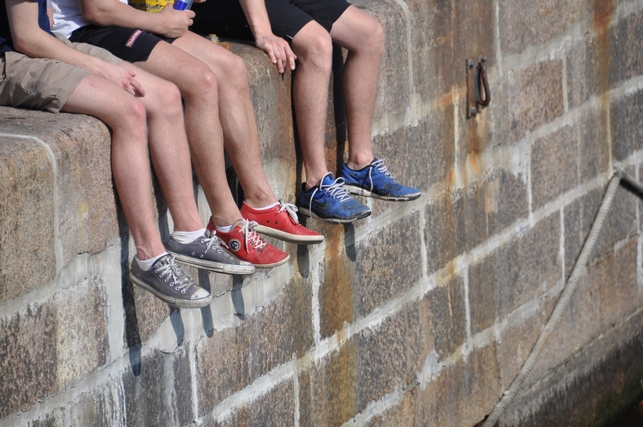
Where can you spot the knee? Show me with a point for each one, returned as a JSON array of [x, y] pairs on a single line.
[[202, 86], [133, 118], [376, 38], [168, 98], [317, 51], [371, 38], [128, 122], [239, 71]]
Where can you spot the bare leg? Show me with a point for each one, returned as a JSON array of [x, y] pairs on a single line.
[[313, 47], [364, 39], [169, 148], [130, 165], [240, 136]]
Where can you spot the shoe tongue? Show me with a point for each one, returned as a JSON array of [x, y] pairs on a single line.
[[163, 259], [328, 179]]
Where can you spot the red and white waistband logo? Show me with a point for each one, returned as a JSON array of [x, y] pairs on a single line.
[[133, 37]]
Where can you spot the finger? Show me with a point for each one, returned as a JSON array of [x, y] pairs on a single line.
[[191, 14], [190, 22], [138, 88], [291, 57], [271, 55]]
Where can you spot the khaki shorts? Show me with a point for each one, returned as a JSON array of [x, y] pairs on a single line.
[[43, 84]]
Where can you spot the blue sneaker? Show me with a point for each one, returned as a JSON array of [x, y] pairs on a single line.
[[376, 181], [328, 201]]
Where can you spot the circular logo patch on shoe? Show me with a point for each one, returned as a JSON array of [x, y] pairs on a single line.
[[235, 245]]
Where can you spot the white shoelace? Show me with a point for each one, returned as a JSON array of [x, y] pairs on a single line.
[[212, 240], [291, 209], [335, 190], [169, 270], [381, 167], [251, 235]]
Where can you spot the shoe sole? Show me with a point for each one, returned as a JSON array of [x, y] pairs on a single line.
[[287, 237], [180, 303], [358, 191], [310, 214], [274, 264], [217, 267]]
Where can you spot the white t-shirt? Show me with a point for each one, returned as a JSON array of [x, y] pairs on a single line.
[[67, 17]]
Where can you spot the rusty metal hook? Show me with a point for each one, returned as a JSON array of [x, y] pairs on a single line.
[[484, 83]]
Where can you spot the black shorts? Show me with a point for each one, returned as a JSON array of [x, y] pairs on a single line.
[[226, 18], [129, 44]]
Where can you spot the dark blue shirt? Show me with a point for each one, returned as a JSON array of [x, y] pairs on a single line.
[[5, 35]]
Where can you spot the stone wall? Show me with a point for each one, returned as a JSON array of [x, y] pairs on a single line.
[[420, 315]]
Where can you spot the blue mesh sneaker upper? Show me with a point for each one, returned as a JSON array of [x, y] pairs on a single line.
[[376, 181], [330, 202]]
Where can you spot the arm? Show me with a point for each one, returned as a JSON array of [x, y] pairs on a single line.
[[31, 40], [169, 23], [278, 49]]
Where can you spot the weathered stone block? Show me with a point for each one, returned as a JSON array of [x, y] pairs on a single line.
[[619, 293], [579, 217], [388, 356], [82, 343], [473, 135], [27, 245], [505, 200], [476, 384], [235, 357], [86, 197], [327, 393], [624, 42], [160, 394], [515, 344], [424, 147], [620, 223], [554, 165], [446, 309], [403, 414], [28, 358], [594, 149], [101, 408], [524, 23], [387, 264], [463, 219], [625, 115], [275, 408], [443, 36], [55, 418], [527, 98], [587, 72], [515, 273], [337, 274], [444, 231]]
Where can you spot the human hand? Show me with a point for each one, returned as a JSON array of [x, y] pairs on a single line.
[[123, 77], [174, 23], [278, 51]]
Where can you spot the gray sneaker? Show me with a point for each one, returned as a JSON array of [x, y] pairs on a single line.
[[168, 282], [206, 252]]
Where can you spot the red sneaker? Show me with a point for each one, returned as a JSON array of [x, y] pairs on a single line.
[[244, 243], [281, 223]]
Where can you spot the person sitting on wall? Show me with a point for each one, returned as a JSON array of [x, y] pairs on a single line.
[[310, 27], [39, 71], [218, 112]]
